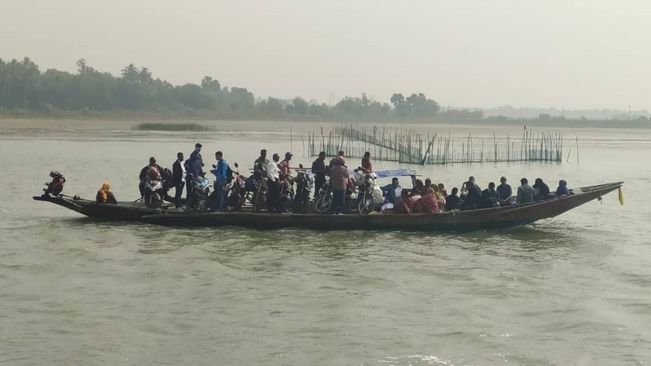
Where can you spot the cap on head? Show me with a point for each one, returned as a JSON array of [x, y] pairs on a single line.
[[288, 155]]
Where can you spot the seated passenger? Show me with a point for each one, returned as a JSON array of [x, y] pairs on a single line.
[[404, 205], [418, 188], [562, 189], [473, 195], [442, 190], [504, 189], [541, 190], [427, 203], [452, 202], [440, 197], [104, 195], [389, 191], [490, 197], [525, 192]]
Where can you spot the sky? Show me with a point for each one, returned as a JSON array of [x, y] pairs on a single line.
[[483, 53]]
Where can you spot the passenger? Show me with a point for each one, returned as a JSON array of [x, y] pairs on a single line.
[[541, 189], [178, 179], [338, 182], [504, 189], [525, 192], [389, 191], [193, 167], [104, 195], [221, 179], [562, 189], [285, 169], [260, 165], [404, 205], [452, 202], [367, 167], [153, 174], [473, 196], [490, 197], [273, 174], [143, 175], [418, 188], [339, 159], [428, 184], [427, 203], [319, 171], [442, 190], [440, 197]]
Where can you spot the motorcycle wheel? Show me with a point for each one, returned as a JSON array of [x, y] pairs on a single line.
[[323, 204], [258, 202], [365, 204]]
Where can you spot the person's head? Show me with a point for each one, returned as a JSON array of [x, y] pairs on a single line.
[[219, 155], [471, 179], [491, 185], [455, 190], [428, 182], [152, 161], [562, 183], [538, 181], [276, 157], [524, 181], [322, 155], [106, 187], [441, 187], [419, 184], [367, 155], [394, 181], [503, 180], [263, 153], [341, 153], [197, 147], [288, 156], [179, 156]]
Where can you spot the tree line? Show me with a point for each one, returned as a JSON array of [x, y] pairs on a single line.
[[25, 88]]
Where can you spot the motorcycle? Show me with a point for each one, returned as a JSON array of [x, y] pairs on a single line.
[[154, 193], [200, 193], [260, 195], [369, 194], [323, 201], [304, 184], [236, 191]]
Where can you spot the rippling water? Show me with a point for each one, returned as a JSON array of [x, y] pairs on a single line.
[[572, 290]]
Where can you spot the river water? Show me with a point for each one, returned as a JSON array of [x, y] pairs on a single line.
[[573, 290]]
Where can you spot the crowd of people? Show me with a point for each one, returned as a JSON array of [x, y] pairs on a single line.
[[424, 197]]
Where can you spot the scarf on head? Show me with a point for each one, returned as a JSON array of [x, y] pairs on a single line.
[[104, 191]]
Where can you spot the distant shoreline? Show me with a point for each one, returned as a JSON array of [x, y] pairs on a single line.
[[134, 120]]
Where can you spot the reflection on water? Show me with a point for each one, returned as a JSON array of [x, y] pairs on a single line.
[[571, 290]]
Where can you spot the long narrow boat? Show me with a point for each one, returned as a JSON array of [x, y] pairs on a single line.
[[489, 218]]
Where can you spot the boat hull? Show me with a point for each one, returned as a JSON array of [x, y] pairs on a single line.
[[481, 219]]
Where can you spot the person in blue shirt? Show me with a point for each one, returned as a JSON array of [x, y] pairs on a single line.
[[562, 189], [221, 178], [389, 191]]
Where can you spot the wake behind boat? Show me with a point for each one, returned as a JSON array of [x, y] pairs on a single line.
[[455, 220]]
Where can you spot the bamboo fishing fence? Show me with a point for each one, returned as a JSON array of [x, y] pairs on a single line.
[[415, 147]]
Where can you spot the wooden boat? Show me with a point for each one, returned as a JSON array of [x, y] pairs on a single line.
[[489, 218]]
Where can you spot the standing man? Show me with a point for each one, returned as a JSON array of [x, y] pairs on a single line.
[[221, 177], [319, 171], [338, 180], [285, 170], [367, 167], [260, 166], [193, 167], [273, 174], [178, 178]]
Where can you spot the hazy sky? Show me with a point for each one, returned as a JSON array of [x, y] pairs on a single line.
[[562, 53]]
